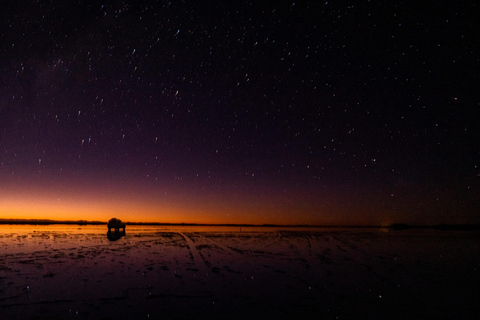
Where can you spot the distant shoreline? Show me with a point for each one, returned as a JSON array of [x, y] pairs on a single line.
[[395, 226]]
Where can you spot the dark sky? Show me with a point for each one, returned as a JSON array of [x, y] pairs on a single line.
[[337, 112]]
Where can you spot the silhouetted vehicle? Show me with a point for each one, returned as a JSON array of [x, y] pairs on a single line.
[[118, 228]]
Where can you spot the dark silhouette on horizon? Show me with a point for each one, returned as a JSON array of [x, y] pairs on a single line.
[[118, 229]]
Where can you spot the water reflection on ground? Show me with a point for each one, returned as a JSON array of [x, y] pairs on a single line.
[[181, 272]]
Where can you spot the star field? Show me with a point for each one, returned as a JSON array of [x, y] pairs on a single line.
[[300, 112]]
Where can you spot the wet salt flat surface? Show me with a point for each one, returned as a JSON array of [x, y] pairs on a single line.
[[73, 272]]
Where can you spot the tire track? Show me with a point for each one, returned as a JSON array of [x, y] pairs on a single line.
[[218, 245], [197, 258]]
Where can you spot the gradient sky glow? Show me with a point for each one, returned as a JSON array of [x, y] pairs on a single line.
[[210, 112]]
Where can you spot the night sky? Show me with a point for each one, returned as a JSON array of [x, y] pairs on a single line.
[[342, 112]]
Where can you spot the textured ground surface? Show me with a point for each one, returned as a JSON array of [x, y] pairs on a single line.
[[76, 273]]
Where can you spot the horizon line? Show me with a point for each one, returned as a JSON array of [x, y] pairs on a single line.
[[396, 226]]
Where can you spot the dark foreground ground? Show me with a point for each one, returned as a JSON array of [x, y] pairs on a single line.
[[268, 274]]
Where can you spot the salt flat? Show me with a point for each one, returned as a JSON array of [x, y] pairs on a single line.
[[72, 272]]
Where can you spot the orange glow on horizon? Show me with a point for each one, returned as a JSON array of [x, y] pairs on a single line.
[[38, 206], [131, 203]]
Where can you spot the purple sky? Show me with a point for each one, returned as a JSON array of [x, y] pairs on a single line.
[[243, 112]]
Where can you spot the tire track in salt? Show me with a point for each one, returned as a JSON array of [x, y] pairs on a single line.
[[197, 258], [273, 240], [219, 245]]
